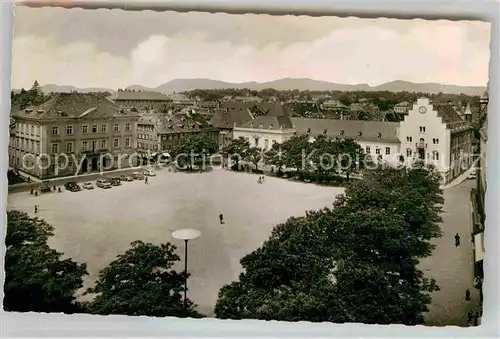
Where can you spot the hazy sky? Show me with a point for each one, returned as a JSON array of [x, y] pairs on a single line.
[[117, 48]]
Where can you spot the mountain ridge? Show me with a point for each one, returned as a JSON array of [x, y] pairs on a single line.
[[302, 84]]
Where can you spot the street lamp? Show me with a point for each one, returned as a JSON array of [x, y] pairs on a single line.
[[186, 234]]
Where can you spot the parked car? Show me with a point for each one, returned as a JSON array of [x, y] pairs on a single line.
[[88, 186], [103, 183], [125, 177], [138, 176], [115, 181], [472, 174], [72, 186], [149, 173]]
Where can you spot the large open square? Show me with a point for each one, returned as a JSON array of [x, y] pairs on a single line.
[[95, 226]]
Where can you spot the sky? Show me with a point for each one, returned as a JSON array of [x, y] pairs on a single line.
[[115, 48]]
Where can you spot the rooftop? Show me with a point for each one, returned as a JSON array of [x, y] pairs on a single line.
[[141, 96], [75, 105], [447, 113], [353, 129]]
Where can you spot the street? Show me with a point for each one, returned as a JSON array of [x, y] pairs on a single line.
[[451, 266]]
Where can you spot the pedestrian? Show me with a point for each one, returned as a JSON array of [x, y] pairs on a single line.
[[457, 240], [36, 193], [263, 179], [54, 187], [145, 180], [469, 317], [59, 189], [467, 295], [31, 191], [221, 218], [36, 209]]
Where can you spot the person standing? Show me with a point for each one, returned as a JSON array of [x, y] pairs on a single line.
[[221, 218], [36, 209], [146, 180], [457, 240], [467, 295]]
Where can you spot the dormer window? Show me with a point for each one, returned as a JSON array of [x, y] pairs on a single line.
[[360, 134], [341, 132], [271, 126], [324, 131], [251, 124], [379, 135], [309, 130]]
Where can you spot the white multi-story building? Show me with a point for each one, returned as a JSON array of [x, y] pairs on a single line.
[[433, 133]]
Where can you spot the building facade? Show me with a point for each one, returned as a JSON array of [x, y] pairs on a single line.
[[433, 133], [73, 133], [436, 134]]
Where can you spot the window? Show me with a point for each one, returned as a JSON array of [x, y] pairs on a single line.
[[435, 155], [37, 149], [32, 130], [409, 139], [94, 145], [368, 151], [69, 130], [103, 143], [55, 148], [377, 151], [422, 129], [104, 128], [85, 129], [387, 151], [94, 128], [116, 143], [85, 146], [127, 127], [55, 130], [266, 143], [116, 128], [435, 141], [127, 141], [408, 152], [69, 147]]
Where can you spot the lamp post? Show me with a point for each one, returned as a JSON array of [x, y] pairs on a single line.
[[186, 234]]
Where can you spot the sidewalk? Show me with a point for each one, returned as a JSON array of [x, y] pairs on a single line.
[[462, 177]]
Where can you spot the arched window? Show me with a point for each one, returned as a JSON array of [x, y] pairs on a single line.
[[435, 155], [408, 152]]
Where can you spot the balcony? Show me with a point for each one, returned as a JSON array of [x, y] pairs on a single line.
[[421, 145]]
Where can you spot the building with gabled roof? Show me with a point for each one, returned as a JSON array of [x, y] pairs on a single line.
[[142, 99], [434, 133], [91, 131]]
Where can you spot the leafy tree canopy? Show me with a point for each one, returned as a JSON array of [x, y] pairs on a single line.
[[142, 282], [37, 278]]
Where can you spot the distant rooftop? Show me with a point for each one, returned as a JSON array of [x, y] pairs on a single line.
[[141, 96]]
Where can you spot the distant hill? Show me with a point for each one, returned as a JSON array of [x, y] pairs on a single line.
[[66, 89], [302, 84]]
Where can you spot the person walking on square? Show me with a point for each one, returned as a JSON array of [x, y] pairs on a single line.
[[36, 209], [146, 180], [221, 218], [467, 295], [457, 240]]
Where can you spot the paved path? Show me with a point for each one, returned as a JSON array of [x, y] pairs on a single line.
[[451, 266]]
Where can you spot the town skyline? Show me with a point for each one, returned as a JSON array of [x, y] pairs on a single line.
[[95, 49]]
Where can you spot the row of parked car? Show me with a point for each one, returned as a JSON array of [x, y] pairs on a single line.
[[72, 186]]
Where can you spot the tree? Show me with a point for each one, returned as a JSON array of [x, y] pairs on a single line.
[[357, 262], [142, 282], [37, 279], [254, 155], [194, 150], [352, 156], [236, 150]]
